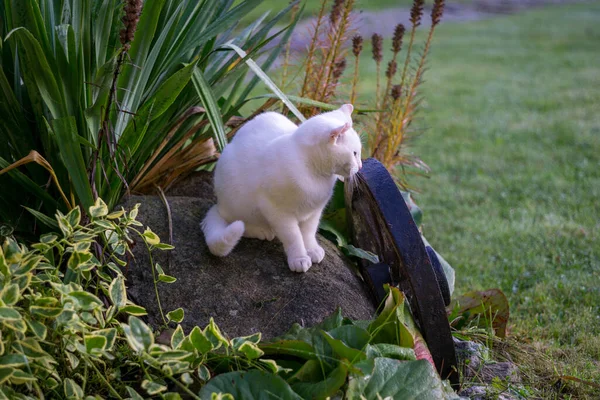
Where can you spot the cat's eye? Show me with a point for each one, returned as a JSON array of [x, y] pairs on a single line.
[[355, 153]]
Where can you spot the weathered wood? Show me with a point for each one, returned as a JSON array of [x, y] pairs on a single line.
[[381, 222]]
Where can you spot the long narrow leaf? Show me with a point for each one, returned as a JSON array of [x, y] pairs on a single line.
[[37, 68], [65, 130], [212, 109], [270, 84]]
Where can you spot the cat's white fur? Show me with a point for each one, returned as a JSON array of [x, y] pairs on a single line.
[[275, 178]]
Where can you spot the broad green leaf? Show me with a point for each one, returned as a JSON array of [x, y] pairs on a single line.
[[166, 278], [390, 351], [86, 300], [177, 336], [13, 360], [10, 294], [310, 371], [5, 374], [72, 389], [9, 314], [151, 237], [350, 250], [238, 341], [175, 315], [133, 394], [295, 348], [249, 385], [250, 350], [74, 217], [47, 312], [38, 329], [152, 388], [348, 341], [397, 380], [94, 342], [325, 388], [20, 377], [200, 341], [163, 246], [110, 334], [213, 333], [203, 373], [133, 310], [77, 259], [388, 327], [99, 209], [138, 334], [117, 292]]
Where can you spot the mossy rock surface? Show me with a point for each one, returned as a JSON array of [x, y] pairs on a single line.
[[252, 289]]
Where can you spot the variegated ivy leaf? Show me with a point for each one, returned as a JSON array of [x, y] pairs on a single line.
[[99, 209], [117, 292], [176, 315], [151, 237], [153, 388]]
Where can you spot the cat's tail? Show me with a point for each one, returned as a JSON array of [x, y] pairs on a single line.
[[221, 237]]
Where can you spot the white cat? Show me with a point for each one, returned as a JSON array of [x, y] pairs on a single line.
[[275, 178]]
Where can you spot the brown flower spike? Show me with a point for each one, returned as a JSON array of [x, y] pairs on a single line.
[[357, 45], [339, 68], [396, 92], [391, 69], [397, 40], [336, 11], [437, 11], [133, 9], [377, 47], [416, 12]]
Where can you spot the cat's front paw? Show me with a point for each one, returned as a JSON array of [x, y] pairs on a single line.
[[299, 264], [316, 254]]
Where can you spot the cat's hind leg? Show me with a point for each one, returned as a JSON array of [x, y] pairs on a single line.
[[259, 232], [220, 236]]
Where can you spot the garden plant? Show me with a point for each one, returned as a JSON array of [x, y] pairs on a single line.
[[102, 98]]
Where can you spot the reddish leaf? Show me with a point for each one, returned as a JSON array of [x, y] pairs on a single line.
[[488, 306]]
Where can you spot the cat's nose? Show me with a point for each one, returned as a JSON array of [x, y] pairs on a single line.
[[359, 164]]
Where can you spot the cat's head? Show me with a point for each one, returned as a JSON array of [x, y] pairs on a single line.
[[335, 145], [343, 143]]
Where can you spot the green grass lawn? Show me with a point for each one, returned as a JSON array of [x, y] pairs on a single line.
[[512, 113]]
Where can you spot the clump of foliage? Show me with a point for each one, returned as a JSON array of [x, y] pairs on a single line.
[[100, 97], [68, 330], [388, 129]]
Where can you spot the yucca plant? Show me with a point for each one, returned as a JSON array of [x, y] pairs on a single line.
[[108, 96]]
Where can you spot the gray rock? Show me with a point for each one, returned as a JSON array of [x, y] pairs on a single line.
[[485, 393], [505, 371], [470, 356], [250, 290]]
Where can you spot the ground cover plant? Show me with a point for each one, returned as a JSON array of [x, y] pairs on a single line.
[[68, 330], [511, 136]]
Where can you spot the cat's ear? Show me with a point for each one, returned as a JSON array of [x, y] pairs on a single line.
[[337, 132], [347, 109]]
